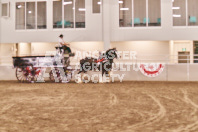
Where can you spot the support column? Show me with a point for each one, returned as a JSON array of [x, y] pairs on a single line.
[[106, 24], [0, 31], [50, 17], [0, 21]]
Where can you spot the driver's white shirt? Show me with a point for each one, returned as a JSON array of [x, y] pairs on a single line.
[[61, 42]]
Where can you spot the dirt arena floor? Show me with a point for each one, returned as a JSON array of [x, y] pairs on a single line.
[[112, 107]]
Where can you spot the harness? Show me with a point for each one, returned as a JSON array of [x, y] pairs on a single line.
[[100, 60]]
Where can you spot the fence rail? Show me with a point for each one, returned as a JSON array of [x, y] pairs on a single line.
[[173, 70], [168, 59]]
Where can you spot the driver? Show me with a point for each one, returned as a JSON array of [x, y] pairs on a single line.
[[62, 43], [66, 49]]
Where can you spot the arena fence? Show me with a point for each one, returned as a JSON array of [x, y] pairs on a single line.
[[173, 68]]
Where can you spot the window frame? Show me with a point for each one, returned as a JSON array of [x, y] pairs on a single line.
[[187, 22], [186, 2], [74, 18], [8, 9], [36, 15], [100, 8], [147, 15]]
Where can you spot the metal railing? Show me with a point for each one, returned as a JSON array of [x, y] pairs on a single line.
[[167, 59]]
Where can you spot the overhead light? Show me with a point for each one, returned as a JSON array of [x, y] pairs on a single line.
[[124, 9], [81, 9], [120, 2], [175, 8], [99, 3], [19, 6], [176, 15], [67, 3], [173, 0], [29, 12]]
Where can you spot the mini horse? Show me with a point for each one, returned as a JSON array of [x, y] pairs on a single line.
[[90, 63]]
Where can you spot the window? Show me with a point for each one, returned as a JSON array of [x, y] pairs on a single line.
[[179, 12], [80, 13], [192, 12], [20, 15], [69, 14], [185, 13], [125, 13], [154, 13], [5, 10], [140, 18], [139, 13], [41, 15], [30, 15], [96, 6], [27, 17], [57, 14]]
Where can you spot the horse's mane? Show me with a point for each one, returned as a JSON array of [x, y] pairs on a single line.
[[110, 50], [107, 52]]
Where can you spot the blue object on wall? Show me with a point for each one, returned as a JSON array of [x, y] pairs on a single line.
[[193, 19], [136, 20], [159, 20], [144, 21], [66, 23]]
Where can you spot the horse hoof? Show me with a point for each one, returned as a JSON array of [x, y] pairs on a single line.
[[108, 81], [79, 82], [100, 81]]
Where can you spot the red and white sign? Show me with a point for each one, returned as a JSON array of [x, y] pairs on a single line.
[[151, 69]]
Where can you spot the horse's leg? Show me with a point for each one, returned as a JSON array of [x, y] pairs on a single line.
[[78, 76], [81, 75], [101, 77], [79, 72], [107, 75]]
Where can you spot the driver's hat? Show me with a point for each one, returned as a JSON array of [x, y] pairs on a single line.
[[61, 35]]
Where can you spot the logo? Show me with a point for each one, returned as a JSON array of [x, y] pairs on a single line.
[[151, 69]]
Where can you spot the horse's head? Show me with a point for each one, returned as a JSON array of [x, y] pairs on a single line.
[[112, 54]]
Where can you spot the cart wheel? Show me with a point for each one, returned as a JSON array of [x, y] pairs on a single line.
[[59, 75], [69, 74], [21, 74], [25, 74], [55, 75]]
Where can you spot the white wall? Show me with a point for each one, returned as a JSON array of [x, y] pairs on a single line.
[[147, 51], [38, 48], [143, 47], [24, 49], [6, 53], [0, 33], [41, 48], [106, 24], [86, 46], [92, 32], [0, 23]]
